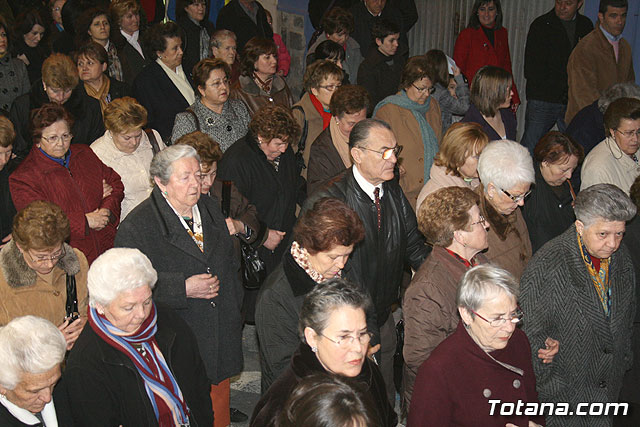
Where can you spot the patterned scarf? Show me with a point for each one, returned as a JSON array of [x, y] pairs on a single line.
[[301, 257], [101, 94], [600, 278], [115, 66], [159, 382]]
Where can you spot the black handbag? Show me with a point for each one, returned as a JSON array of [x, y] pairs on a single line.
[[252, 267], [71, 306]]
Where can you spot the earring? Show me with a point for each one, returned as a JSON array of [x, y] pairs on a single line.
[[314, 349], [165, 193]]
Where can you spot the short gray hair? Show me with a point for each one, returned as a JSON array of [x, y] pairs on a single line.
[[162, 163], [482, 282], [360, 132], [505, 164], [326, 297], [603, 202], [617, 91], [29, 344], [118, 270], [218, 36]]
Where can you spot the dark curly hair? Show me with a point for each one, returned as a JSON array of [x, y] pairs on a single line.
[[45, 116], [275, 121], [91, 50], [251, 53], [338, 20], [26, 20], [349, 99], [155, 40], [320, 71], [416, 68], [474, 22], [206, 147], [84, 23], [203, 69], [556, 146]]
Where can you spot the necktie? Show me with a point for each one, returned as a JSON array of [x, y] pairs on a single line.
[[376, 193]]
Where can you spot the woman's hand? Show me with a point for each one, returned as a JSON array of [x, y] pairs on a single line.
[[106, 189], [456, 71], [5, 240], [98, 219], [203, 286], [71, 331], [235, 226], [551, 349], [274, 239]]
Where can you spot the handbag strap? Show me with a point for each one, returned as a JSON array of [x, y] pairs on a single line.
[[152, 139], [226, 198], [195, 117], [72, 296]]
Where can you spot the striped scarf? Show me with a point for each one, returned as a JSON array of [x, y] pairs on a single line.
[[159, 383]]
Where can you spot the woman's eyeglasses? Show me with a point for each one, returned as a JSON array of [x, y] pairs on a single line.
[[431, 89], [515, 317], [346, 341]]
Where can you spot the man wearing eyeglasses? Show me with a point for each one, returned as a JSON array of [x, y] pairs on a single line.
[[615, 160], [391, 238]]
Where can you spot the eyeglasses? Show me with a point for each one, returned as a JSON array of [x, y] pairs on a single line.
[[482, 221], [431, 89], [629, 133], [330, 88], [387, 152], [54, 139], [43, 259], [220, 83], [515, 317], [346, 341], [516, 199]]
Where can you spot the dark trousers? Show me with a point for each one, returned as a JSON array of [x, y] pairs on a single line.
[[388, 342]]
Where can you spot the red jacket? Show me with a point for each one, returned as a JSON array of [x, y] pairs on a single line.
[[77, 191], [473, 50]]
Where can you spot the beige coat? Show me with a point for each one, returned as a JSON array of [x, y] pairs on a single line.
[[314, 125], [439, 178], [407, 132]]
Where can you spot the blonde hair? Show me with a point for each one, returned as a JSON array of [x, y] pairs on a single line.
[[459, 142], [124, 114]]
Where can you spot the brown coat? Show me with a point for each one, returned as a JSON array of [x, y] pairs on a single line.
[[509, 244], [592, 68], [23, 291], [407, 131], [430, 311], [246, 90], [324, 161], [314, 125]]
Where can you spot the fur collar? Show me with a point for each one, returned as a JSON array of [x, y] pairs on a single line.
[[18, 274]]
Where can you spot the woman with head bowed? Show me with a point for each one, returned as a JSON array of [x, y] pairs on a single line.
[[312, 258], [329, 154], [335, 340], [73, 177], [137, 362], [185, 236], [506, 174], [414, 115], [223, 119], [487, 357], [128, 149], [32, 351], [549, 210], [451, 221], [456, 163]]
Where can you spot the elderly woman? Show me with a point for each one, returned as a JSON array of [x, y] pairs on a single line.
[[162, 86], [75, 179], [259, 84], [456, 163], [59, 85], [7, 166], [125, 17], [223, 45], [549, 209], [490, 100], [450, 220], [312, 259], [191, 17], [223, 119], [32, 351], [329, 154], [506, 174], [29, 29], [128, 149], [186, 238], [15, 80], [42, 275], [579, 289], [414, 116], [137, 362], [487, 357], [91, 59], [335, 340], [312, 112], [94, 25]]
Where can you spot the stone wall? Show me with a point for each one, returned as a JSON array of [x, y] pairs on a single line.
[[292, 32]]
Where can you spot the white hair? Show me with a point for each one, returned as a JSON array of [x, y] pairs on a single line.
[[118, 270], [29, 344], [603, 202], [162, 163], [505, 164], [482, 282]]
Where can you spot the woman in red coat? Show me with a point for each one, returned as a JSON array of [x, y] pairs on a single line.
[[484, 42], [87, 190]]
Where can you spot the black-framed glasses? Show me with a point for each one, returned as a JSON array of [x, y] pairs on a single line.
[[516, 199], [431, 89], [386, 152], [629, 133], [481, 220], [346, 341], [515, 317]]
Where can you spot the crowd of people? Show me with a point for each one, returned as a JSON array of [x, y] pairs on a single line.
[[403, 255]]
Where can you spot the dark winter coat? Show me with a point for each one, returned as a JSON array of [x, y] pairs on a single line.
[[233, 17], [379, 78], [7, 209], [510, 125], [132, 61], [155, 229], [247, 91], [324, 161], [191, 41], [364, 21]]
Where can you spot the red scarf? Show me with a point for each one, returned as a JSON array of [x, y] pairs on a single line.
[[326, 115]]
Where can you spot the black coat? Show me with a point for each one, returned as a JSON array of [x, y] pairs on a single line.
[[305, 363], [85, 110], [379, 78], [587, 129], [154, 228], [162, 99], [547, 54], [508, 118], [324, 161], [118, 89], [132, 61], [233, 17], [364, 21], [191, 42], [105, 388], [7, 209], [378, 261]]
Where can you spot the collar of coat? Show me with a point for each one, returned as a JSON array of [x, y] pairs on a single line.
[[18, 274], [248, 85], [502, 225]]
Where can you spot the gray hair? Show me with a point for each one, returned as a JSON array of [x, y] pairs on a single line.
[[617, 91], [29, 344], [162, 163], [482, 282], [218, 36], [603, 202], [326, 297], [118, 270], [505, 164], [360, 132]]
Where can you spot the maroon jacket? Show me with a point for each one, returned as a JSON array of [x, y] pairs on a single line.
[[455, 384], [77, 191]]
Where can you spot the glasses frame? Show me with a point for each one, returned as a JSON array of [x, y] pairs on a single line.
[[502, 321], [629, 133], [349, 341], [431, 89], [56, 138], [482, 221], [386, 153], [516, 199], [43, 260]]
